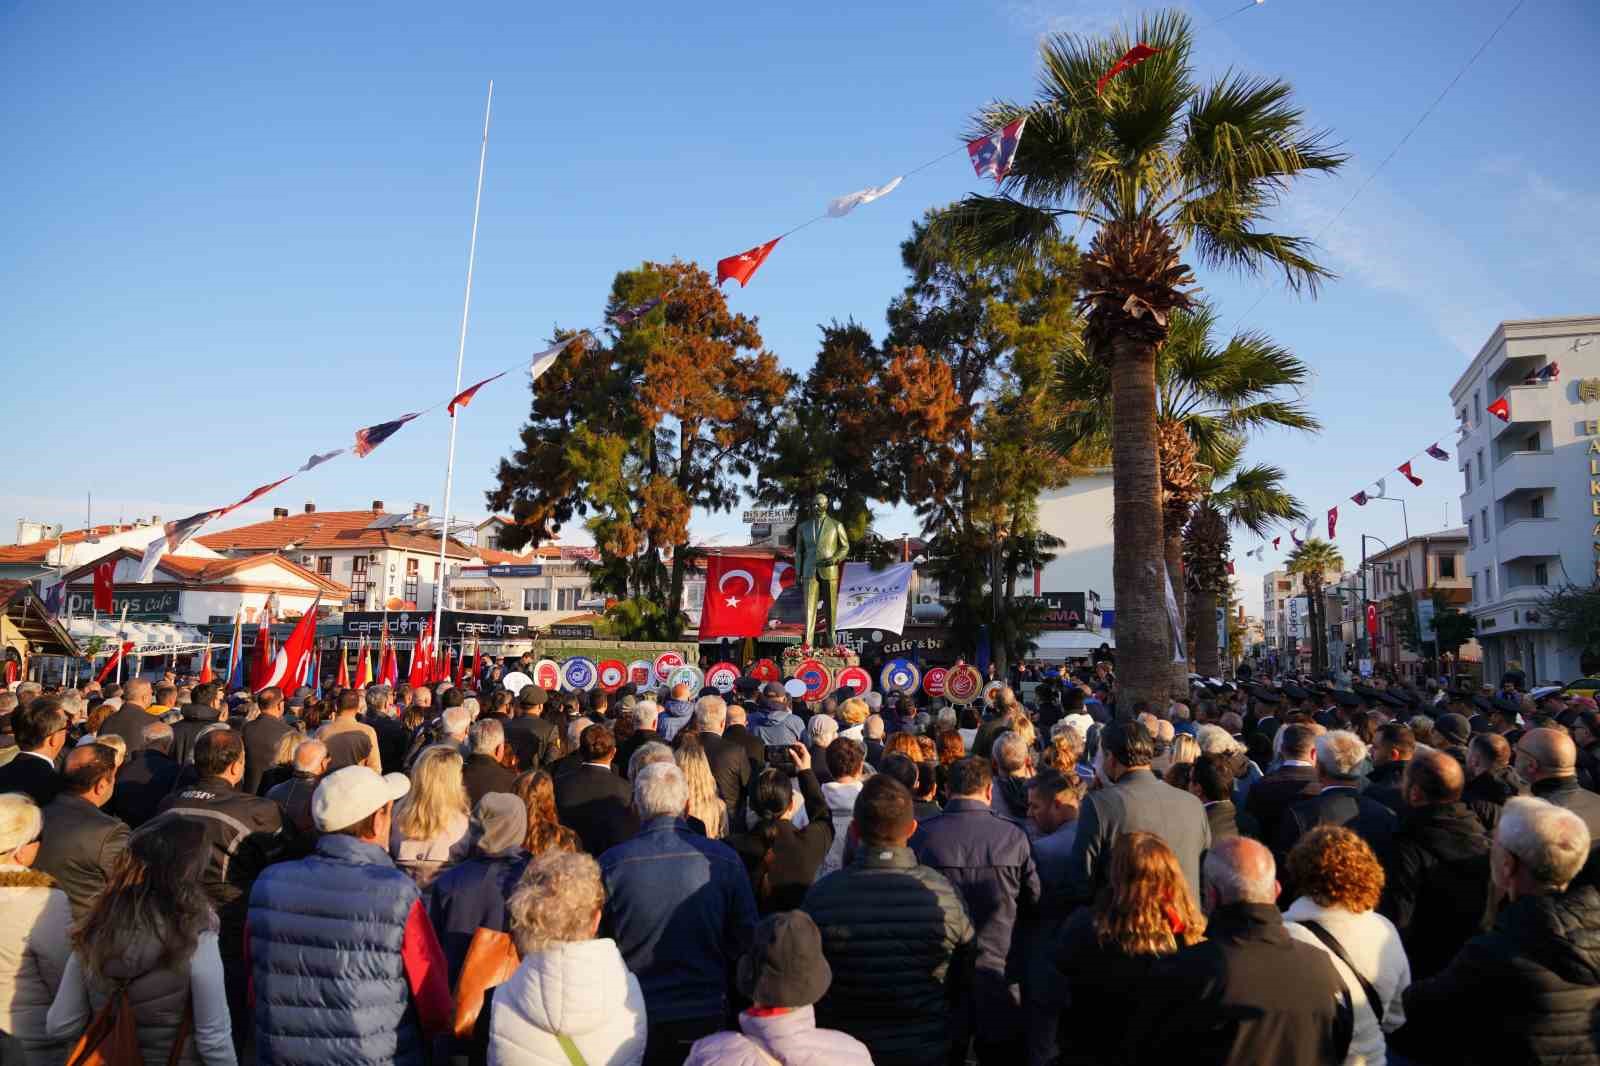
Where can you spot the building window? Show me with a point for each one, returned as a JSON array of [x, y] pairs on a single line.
[[1488, 583], [1447, 566], [1541, 574], [410, 593], [325, 565], [1536, 508], [1480, 466], [1477, 408], [1472, 532], [1474, 588], [1532, 443], [535, 599], [1466, 478], [358, 581], [1483, 521], [567, 599]]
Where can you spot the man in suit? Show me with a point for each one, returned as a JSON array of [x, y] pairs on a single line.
[[729, 764], [591, 800], [261, 736], [129, 720], [393, 737], [530, 736], [1293, 781], [146, 777], [41, 731], [645, 714], [484, 773], [1392, 749], [200, 717], [1136, 801], [1212, 784], [80, 842], [1339, 800]]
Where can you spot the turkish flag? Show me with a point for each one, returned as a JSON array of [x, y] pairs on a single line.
[[1132, 57], [740, 590], [388, 666], [742, 266], [123, 650], [1372, 622], [264, 660], [289, 665], [343, 680], [205, 666], [104, 584], [363, 665], [465, 396], [1501, 409], [1405, 468], [1333, 521]]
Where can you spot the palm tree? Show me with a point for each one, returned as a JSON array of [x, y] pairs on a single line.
[[1209, 397], [1252, 498], [1156, 163], [1311, 560]]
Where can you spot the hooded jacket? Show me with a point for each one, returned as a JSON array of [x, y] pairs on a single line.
[[197, 719], [791, 1037], [774, 723], [580, 990], [1011, 802], [35, 921], [1537, 971], [675, 714], [841, 799]]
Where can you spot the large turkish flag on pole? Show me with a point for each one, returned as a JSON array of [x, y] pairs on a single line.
[[740, 590]]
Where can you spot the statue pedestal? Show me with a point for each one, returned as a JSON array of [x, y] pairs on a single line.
[[835, 659]]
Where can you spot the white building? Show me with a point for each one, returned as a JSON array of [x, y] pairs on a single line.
[[1078, 580], [1530, 484]]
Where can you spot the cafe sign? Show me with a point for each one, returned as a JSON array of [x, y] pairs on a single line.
[[141, 603]]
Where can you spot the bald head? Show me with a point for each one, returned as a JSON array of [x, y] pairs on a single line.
[[1240, 870], [680, 692], [137, 692], [311, 756], [1545, 753], [1432, 778]]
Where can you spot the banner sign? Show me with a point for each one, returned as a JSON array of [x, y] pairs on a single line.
[[874, 599], [547, 675], [665, 663], [816, 678], [516, 570], [641, 672], [963, 684], [142, 603], [1066, 610], [933, 680], [688, 676], [454, 625], [769, 516], [570, 632]]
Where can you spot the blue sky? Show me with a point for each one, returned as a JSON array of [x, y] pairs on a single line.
[[234, 233]]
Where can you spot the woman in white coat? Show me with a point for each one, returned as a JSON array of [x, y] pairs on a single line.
[[34, 922], [572, 999]]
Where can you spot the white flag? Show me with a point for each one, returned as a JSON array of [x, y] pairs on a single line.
[[1379, 493], [546, 359], [1311, 526], [874, 599], [152, 555], [845, 204], [1172, 620]]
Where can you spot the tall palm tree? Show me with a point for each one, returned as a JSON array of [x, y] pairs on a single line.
[[1250, 498], [1312, 560], [1210, 396], [1157, 163]]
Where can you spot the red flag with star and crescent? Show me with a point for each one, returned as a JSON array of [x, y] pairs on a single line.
[[743, 266], [740, 590]]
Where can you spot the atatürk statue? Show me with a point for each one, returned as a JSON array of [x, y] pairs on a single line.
[[820, 545]]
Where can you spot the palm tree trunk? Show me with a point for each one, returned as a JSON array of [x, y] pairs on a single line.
[[1138, 560], [1206, 660], [1172, 550]]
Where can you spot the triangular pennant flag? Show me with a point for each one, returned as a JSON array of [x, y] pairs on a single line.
[[317, 460], [1501, 409], [546, 359], [1275, 541], [464, 397], [842, 206], [1311, 525], [253, 494], [1131, 58], [743, 266], [1294, 535], [1333, 521], [629, 315], [369, 438], [1360, 499], [993, 153], [1405, 468], [1382, 488], [1438, 453]]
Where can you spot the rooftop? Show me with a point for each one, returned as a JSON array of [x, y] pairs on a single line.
[[330, 529]]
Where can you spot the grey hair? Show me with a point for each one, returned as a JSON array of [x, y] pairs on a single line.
[[947, 718], [645, 712], [73, 703], [20, 821], [455, 721], [556, 900], [873, 729], [1179, 711], [660, 789], [157, 735], [472, 707], [378, 697], [575, 729], [1339, 755], [1215, 740], [1227, 869], [1552, 842], [822, 729], [1010, 753], [711, 712], [308, 755], [646, 755], [487, 736]]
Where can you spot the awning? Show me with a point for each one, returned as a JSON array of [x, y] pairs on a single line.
[[149, 638], [27, 619], [1071, 642]]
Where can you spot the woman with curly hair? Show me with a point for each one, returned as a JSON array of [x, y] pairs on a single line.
[[1106, 951], [152, 931], [537, 791], [1340, 882]]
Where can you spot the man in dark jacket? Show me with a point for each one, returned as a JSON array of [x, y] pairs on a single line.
[[262, 735], [1295, 778], [201, 716], [393, 737], [484, 772], [1537, 970], [591, 800], [1491, 779], [1136, 801], [1392, 749], [737, 732], [129, 720], [1211, 783], [41, 731], [1548, 760], [80, 842], [1436, 888], [145, 778], [1340, 802], [1249, 993], [988, 858], [894, 982], [730, 767], [645, 715], [293, 798], [1013, 773], [774, 723], [530, 736]]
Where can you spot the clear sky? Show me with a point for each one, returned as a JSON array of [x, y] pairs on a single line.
[[234, 233]]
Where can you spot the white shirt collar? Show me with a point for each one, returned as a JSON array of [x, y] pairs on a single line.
[[41, 757]]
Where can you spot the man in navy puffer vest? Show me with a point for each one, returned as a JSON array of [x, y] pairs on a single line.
[[344, 964]]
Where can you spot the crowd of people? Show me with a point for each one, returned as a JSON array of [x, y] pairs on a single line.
[[1293, 874]]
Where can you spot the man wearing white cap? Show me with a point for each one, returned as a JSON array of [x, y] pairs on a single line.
[[345, 963]]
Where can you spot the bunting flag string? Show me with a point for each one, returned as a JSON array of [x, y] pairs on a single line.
[[843, 205], [464, 397], [1438, 453], [742, 267], [1405, 468], [993, 153], [1131, 58]]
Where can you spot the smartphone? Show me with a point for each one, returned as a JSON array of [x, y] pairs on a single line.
[[781, 757]]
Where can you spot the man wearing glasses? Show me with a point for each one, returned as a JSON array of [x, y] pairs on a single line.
[[40, 727]]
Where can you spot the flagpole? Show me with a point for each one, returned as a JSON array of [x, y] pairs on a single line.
[[461, 355]]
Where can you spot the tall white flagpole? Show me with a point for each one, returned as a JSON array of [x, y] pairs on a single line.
[[461, 355]]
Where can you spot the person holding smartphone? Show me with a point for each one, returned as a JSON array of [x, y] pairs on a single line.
[[783, 860]]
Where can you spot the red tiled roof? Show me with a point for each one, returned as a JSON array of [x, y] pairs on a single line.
[[196, 570], [39, 549], [495, 555], [328, 529]]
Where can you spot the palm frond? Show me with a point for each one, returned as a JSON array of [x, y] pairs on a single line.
[[997, 228], [1254, 498]]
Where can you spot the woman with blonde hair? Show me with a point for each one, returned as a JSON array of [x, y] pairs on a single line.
[[853, 716], [704, 803], [537, 790], [34, 922], [432, 828], [1106, 951], [1340, 882]]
